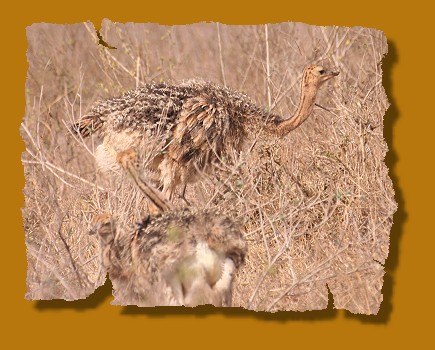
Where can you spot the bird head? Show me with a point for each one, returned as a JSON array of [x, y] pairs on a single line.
[[315, 75]]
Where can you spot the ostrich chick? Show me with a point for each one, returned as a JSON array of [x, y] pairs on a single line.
[[178, 257], [191, 126]]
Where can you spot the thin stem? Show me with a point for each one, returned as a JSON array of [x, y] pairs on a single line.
[[220, 55], [269, 97]]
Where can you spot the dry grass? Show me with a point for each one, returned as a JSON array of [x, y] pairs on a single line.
[[316, 206]]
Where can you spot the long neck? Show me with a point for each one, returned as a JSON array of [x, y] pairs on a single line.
[[305, 107]]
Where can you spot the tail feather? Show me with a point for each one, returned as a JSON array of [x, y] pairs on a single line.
[[87, 125]]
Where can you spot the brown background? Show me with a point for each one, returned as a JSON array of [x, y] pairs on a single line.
[[406, 315]]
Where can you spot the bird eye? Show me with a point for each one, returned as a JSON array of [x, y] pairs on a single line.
[[322, 71]]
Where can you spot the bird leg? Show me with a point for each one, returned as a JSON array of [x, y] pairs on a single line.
[[105, 227], [182, 195], [158, 203]]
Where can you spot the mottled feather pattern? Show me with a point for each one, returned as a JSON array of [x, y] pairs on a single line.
[[143, 261], [193, 124], [185, 129], [154, 105], [181, 257]]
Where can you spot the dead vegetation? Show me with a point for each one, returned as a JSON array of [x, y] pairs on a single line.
[[316, 206]]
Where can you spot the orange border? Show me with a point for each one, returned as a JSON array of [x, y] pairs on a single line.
[[405, 315]]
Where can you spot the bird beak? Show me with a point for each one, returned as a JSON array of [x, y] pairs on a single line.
[[328, 75]]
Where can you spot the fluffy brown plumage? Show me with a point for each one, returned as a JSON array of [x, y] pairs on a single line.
[[191, 125], [178, 257]]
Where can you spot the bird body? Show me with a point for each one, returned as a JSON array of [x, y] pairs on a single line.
[[176, 257], [189, 126]]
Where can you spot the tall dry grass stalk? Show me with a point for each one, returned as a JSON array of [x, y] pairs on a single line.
[[316, 206]]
